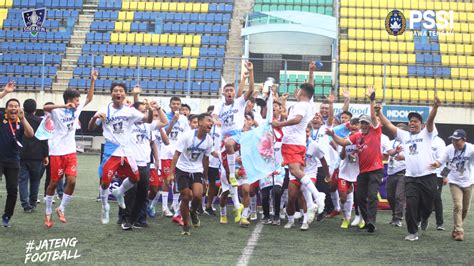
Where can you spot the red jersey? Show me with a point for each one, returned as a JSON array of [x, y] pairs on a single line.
[[369, 149]]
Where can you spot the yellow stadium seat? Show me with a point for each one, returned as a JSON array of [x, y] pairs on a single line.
[[377, 58], [378, 70], [115, 60], [464, 85], [377, 46], [164, 38], [369, 81], [158, 62], [360, 57], [462, 60], [188, 40], [470, 61], [204, 8], [344, 56], [411, 59], [188, 7], [172, 7], [421, 83], [360, 69], [369, 46], [360, 81], [344, 23], [197, 40], [453, 60], [172, 39], [150, 62], [114, 37], [165, 6], [180, 39], [403, 58], [394, 58], [155, 39], [186, 51], [352, 69], [195, 52], [430, 83], [118, 27], [133, 62], [396, 82], [123, 37], [139, 38], [193, 63], [8, 3], [157, 6], [402, 47], [403, 70], [149, 6], [344, 12], [133, 5], [126, 26], [141, 6], [455, 84], [385, 46], [369, 57], [352, 56], [147, 38], [455, 72], [343, 68], [175, 62], [166, 62], [352, 81], [125, 5], [180, 7], [107, 60], [344, 81], [130, 37], [122, 15], [470, 73], [360, 45], [344, 2], [196, 7], [183, 63], [443, 48], [124, 61], [130, 16]]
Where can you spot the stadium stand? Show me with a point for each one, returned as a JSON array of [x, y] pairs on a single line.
[[415, 66], [169, 47]]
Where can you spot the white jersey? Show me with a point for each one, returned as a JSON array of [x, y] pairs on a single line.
[[231, 116], [179, 128], [395, 166], [160, 147], [385, 144], [461, 164], [313, 155], [216, 144], [319, 136], [438, 149], [142, 137], [66, 121], [417, 150], [296, 134], [349, 168], [118, 127], [192, 151]]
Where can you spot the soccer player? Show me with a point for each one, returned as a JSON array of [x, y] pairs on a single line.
[[420, 180], [438, 149], [368, 144], [62, 148], [185, 110], [193, 121], [12, 129], [116, 120], [294, 139], [459, 157], [189, 166], [214, 166]]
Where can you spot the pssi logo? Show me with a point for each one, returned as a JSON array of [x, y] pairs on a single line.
[[431, 22]]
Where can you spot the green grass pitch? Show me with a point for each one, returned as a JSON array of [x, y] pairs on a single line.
[[212, 243]]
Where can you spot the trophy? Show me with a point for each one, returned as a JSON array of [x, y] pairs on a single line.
[[261, 99]]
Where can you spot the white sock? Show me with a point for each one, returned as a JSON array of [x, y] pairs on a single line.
[[347, 207], [305, 216], [245, 212], [176, 201], [306, 181], [307, 197], [153, 202], [125, 186], [291, 218], [224, 211], [234, 192], [64, 202], [104, 196], [335, 200], [49, 204], [212, 201], [164, 200], [284, 199], [231, 163], [253, 204], [178, 210]]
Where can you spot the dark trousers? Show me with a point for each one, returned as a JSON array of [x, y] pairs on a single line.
[[277, 192], [29, 182], [438, 202], [366, 194], [420, 193], [136, 198], [396, 194], [322, 186], [11, 172]]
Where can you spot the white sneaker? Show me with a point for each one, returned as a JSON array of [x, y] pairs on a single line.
[[298, 215], [282, 213], [289, 225], [320, 201], [253, 216], [311, 214], [167, 213], [119, 197], [356, 221], [304, 227], [105, 214]]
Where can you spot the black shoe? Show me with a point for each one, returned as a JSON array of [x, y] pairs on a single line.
[[120, 221], [28, 209], [210, 212], [6, 221], [186, 230], [200, 211], [320, 217], [126, 226], [370, 227], [424, 224], [140, 225], [195, 219]]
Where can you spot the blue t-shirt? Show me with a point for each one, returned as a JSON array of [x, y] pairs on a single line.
[[9, 149]]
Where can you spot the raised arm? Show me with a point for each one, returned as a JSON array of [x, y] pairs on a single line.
[[388, 125], [9, 87], [312, 67], [331, 99], [136, 93], [164, 137], [433, 112], [337, 139], [347, 99], [90, 92], [286, 123], [28, 130], [249, 92], [92, 123], [373, 114], [172, 122], [50, 107]]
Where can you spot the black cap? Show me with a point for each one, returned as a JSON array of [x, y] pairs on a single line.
[[458, 134], [416, 115]]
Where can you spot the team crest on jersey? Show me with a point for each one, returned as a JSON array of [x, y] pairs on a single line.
[[118, 128], [395, 23], [34, 20], [229, 120], [413, 149], [195, 156]]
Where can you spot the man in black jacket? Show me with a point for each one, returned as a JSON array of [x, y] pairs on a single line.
[[33, 155]]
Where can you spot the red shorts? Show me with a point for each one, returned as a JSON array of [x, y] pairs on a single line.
[[293, 154], [298, 183], [165, 167], [343, 185], [155, 179], [63, 165], [114, 165]]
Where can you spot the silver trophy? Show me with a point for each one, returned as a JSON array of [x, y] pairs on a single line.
[[261, 99]]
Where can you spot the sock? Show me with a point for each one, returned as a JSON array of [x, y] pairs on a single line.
[[231, 163], [284, 199], [235, 197], [176, 201], [178, 209], [126, 185], [347, 207], [224, 211], [307, 197], [104, 196], [65, 202], [245, 212], [305, 216], [164, 199], [152, 203], [291, 218], [308, 184], [253, 204], [49, 204], [335, 201]]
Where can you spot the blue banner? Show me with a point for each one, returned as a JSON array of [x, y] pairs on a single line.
[[398, 113]]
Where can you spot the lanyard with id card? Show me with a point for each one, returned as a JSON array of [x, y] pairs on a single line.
[[13, 130]]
